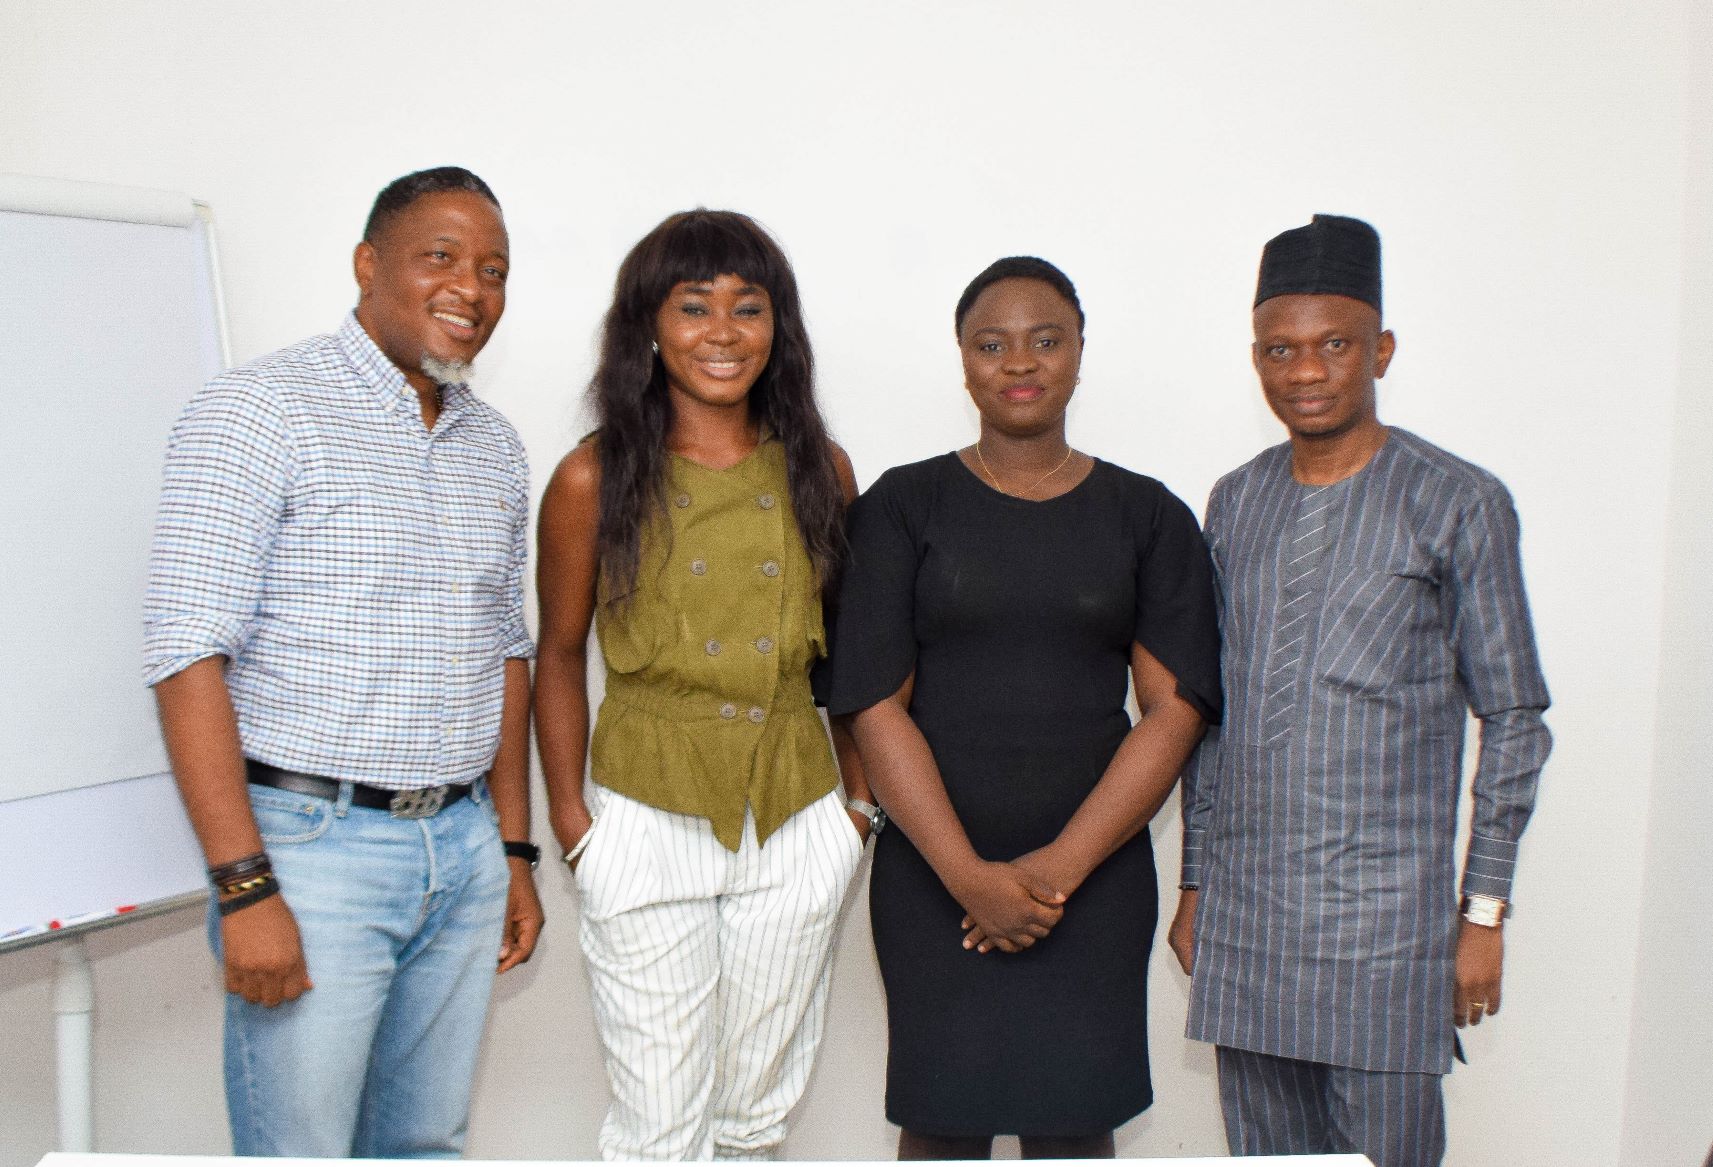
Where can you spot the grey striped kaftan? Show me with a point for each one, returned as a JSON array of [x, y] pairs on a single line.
[[1320, 819]]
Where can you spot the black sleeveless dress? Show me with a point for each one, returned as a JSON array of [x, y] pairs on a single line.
[[1018, 619]]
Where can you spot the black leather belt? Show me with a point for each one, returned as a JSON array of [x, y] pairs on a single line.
[[420, 803]]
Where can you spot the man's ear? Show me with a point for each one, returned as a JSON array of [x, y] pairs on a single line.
[[363, 267], [1383, 350]]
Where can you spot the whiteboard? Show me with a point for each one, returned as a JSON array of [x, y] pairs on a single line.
[[114, 319]]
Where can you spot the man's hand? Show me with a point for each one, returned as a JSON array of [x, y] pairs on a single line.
[[524, 916], [1008, 908], [1480, 960], [264, 954], [1182, 934]]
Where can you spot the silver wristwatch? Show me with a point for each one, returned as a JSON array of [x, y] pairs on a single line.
[[1485, 911]]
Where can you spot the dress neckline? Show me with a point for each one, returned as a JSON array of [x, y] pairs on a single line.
[[987, 488]]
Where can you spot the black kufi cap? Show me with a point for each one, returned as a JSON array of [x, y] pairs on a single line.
[[1332, 256]]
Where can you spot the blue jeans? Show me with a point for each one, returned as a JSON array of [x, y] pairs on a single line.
[[401, 922]]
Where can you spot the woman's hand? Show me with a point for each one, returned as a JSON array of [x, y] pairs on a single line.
[[1048, 867], [1008, 907], [861, 823]]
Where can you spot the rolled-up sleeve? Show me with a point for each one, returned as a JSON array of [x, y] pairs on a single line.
[[1493, 637], [228, 468]]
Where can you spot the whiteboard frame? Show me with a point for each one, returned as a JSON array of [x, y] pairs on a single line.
[[30, 194]]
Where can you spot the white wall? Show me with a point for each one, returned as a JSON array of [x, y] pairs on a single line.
[[1525, 163], [1668, 1113]]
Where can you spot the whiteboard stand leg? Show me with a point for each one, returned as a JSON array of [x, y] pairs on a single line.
[[74, 1009]]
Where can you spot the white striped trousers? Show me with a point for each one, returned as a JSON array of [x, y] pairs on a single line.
[[709, 971]]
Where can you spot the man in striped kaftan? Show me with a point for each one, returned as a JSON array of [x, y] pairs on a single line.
[[1371, 599]]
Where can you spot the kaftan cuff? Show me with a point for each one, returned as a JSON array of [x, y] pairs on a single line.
[[1489, 867], [1195, 838]]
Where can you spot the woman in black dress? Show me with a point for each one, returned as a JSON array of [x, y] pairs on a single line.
[[996, 600]]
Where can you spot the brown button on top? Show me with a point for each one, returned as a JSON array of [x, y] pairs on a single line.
[[765, 644], [713, 647], [698, 567], [764, 501], [681, 501], [728, 711], [770, 569], [758, 715]]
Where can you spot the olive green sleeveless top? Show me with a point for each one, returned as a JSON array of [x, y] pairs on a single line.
[[707, 709]]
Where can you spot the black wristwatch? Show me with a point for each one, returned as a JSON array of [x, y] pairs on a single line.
[[527, 851]]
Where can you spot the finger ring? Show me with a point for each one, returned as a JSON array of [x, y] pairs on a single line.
[[1481, 1005]]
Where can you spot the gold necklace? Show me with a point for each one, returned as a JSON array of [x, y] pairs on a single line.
[[1033, 486]]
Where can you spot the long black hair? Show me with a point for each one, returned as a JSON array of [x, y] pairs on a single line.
[[634, 409]]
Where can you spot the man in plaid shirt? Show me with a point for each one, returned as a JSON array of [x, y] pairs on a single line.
[[334, 631]]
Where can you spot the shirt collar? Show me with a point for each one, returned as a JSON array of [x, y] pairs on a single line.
[[385, 378]]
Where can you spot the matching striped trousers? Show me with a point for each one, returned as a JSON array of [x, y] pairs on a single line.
[[709, 972], [1285, 1106]]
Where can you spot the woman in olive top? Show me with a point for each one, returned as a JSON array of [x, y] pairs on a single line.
[[712, 847]]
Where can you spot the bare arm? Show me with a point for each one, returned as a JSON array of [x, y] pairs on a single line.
[[508, 781], [566, 566], [851, 774], [1133, 788], [1012, 906], [1136, 783], [262, 949]]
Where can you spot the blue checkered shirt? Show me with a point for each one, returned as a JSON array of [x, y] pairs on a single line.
[[362, 574]]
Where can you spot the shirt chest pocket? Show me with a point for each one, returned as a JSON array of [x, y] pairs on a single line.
[[478, 510], [1380, 629]]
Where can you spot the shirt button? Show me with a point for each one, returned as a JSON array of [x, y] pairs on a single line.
[[764, 501], [770, 569], [681, 501], [698, 567], [728, 711], [758, 715], [765, 644], [456, 589], [457, 660], [713, 647]]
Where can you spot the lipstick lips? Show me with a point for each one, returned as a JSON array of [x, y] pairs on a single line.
[[1022, 392], [722, 368]]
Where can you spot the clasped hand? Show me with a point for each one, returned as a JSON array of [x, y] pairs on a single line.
[[1008, 906]]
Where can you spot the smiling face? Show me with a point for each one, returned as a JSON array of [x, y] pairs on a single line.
[[1318, 358], [1022, 347], [715, 337], [433, 284]]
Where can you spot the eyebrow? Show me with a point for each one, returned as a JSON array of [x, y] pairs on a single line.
[[501, 252], [1031, 328], [705, 287]]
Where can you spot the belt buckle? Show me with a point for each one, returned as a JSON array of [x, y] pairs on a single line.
[[422, 803]]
